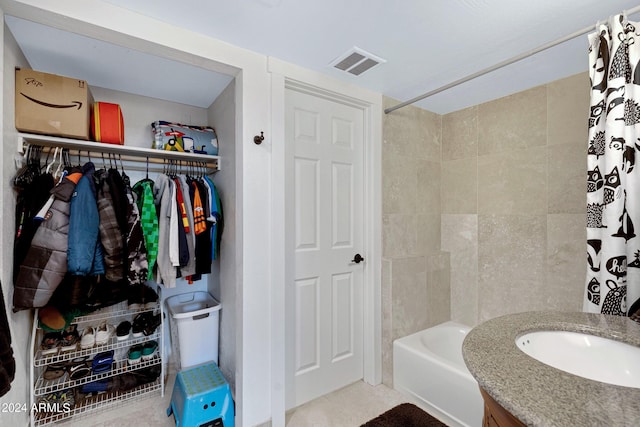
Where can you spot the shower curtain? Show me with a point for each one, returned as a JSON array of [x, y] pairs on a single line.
[[613, 178]]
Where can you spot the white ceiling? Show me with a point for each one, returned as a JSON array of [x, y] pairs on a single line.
[[426, 43]]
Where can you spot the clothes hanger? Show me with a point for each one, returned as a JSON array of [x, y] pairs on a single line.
[[58, 173], [55, 154]]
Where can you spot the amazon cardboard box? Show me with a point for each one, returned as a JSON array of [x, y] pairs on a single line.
[[52, 105]]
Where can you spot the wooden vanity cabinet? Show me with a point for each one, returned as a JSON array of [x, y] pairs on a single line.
[[495, 415]]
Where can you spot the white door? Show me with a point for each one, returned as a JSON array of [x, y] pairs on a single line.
[[324, 337]]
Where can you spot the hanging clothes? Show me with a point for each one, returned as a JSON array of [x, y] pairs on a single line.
[[7, 361], [179, 228], [148, 221], [613, 178], [45, 264], [162, 194], [137, 265], [110, 234], [84, 252], [202, 227], [216, 212], [187, 222], [30, 199]]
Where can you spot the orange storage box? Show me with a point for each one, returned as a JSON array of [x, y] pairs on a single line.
[[107, 124]]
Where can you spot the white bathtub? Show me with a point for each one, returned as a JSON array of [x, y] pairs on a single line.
[[428, 366]]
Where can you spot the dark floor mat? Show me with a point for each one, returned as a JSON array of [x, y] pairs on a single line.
[[404, 415]]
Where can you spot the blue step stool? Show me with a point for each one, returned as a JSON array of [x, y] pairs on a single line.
[[202, 398]]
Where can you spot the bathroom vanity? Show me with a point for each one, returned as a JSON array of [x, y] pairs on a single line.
[[520, 390]]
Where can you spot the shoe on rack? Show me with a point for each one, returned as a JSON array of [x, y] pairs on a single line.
[[54, 371], [139, 324], [123, 330], [104, 333], [136, 297], [150, 297], [153, 321], [96, 386], [61, 400], [88, 339], [148, 374], [134, 355], [149, 349], [102, 362], [70, 339], [78, 369], [50, 343]]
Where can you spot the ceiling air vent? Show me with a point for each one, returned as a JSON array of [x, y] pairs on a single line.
[[356, 61]]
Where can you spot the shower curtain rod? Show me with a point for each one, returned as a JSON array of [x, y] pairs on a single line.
[[503, 64]]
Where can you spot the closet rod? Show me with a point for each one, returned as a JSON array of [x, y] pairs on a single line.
[[502, 64], [130, 163], [134, 154]]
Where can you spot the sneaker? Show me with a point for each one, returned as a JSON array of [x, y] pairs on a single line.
[[149, 349], [59, 401], [136, 297], [78, 369], [153, 321], [134, 355], [88, 339], [123, 331], [70, 339], [138, 325], [102, 362], [50, 343], [96, 386], [104, 333], [150, 298], [54, 372]]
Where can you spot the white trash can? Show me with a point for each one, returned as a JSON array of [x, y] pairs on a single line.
[[195, 320]]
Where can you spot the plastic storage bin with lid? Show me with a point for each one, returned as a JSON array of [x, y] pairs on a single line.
[[194, 326]]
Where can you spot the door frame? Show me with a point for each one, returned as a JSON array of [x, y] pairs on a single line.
[[286, 76]]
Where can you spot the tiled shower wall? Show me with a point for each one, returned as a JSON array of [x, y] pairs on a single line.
[[415, 284], [513, 201], [484, 210]]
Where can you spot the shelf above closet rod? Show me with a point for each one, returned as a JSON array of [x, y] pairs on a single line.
[[127, 153]]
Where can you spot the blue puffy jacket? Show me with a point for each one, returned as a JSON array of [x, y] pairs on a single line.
[[84, 253]]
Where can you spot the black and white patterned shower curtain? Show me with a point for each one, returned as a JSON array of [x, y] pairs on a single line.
[[613, 178]]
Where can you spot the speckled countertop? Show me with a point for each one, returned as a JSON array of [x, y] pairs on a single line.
[[540, 395]]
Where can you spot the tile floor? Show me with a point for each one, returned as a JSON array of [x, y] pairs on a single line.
[[348, 407]]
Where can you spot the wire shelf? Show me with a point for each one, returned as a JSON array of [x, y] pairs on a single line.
[[99, 402], [44, 387], [114, 314], [112, 344]]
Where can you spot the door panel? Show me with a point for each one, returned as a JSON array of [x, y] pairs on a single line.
[[325, 319]]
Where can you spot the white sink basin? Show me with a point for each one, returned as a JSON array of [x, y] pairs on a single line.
[[584, 355]]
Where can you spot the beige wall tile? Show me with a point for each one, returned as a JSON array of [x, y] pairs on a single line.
[[428, 187], [399, 184], [566, 262], [459, 237], [568, 101], [513, 122], [411, 132], [460, 186], [399, 235], [430, 140], [460, 134], [513, 182], [567, 170], [409, 296], [387, 342], [438, 289], [511, 263], [427, 233]]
